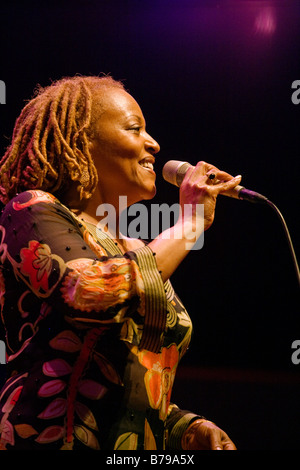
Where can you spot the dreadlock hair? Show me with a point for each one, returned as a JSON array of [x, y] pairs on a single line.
[[50, 143]]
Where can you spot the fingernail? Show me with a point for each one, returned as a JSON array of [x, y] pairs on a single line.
[[237, 177]]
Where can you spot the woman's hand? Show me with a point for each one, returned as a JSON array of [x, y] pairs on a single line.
[[198, 187], [205, 435], [202, 184]]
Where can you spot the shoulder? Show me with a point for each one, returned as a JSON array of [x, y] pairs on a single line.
[[31, 200]]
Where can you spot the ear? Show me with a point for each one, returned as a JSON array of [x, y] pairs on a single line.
[[90, 143]]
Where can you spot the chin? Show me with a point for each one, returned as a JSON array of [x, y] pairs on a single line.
[[150, 194], [145, 195]]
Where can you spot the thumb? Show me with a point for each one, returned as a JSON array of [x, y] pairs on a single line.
[[231, 183], [227, 185]]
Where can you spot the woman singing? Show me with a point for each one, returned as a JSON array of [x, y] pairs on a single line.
[[94, 329]]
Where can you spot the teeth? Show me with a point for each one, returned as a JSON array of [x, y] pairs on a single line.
[[147, 165]]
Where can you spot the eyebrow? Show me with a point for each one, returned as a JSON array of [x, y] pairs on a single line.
[[137, 117]]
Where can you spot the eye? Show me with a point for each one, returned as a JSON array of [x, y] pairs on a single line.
[[135, 128]]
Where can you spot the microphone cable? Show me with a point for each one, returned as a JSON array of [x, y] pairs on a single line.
[[288, 237]]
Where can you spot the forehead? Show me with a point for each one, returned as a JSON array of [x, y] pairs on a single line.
[[117, 103]]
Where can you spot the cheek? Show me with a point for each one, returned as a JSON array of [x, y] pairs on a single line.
[[116, 168], [114, 151]]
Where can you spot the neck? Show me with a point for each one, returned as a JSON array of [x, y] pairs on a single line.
[[104, 211]]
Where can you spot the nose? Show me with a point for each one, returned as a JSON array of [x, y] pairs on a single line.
[[151, 145]]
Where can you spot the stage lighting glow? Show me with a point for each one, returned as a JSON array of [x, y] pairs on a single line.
[[265, 22]]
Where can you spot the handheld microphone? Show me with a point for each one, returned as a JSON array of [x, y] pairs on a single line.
[[174, 172]]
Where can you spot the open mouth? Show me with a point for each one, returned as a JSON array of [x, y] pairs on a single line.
[[147, 164]]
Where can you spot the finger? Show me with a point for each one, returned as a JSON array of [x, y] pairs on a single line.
[[189, 172], [215, 441], [221, 441], [229, 445], [201, 169], [220, 176], [225, 186]]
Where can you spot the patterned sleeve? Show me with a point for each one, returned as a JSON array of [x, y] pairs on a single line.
[[50, 252], [177, 423]]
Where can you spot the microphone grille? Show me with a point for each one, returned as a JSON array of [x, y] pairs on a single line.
[[181, 171], [174, 171]]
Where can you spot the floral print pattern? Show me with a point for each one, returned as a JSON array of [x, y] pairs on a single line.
[[76, 311], [160, 375], [36, 263], [94, 286]]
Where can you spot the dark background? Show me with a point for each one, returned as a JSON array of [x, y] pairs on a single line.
[[214, 80]]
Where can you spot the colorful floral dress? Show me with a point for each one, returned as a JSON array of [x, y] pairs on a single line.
[[93, 336]]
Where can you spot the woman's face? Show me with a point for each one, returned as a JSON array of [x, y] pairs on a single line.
[[122, 150]]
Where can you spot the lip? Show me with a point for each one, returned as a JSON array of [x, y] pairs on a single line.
[[149, 159]]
